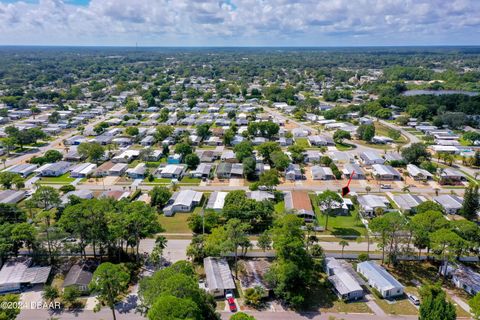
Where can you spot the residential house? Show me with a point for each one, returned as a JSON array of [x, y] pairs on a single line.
[[464, 277], [293, 172], [79, 276], [23, 169], [216, 201], [371, 157], [82, 170], [347, 285], [370, 202], [385, 172], [126, 156], [417, 173], [379, 279], [259, 195], [450, 176], [171, 171], [408, 202], [350, 168], [104, 169], [17, 274], [219, 278], [55, 169], [82, 194], [174, 159], [182, 201], [322, 173], [202, 171], [299, 203], [12, 196], [312, 156], [138, 172], [450, 203], [118, 169]]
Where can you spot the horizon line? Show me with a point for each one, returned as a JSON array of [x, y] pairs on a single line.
[[246, 46]]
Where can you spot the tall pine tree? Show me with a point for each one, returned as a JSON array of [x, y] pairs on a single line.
[[471, 202]]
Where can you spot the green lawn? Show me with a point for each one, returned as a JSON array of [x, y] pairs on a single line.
[[190, 181], [344, 146], [280, 207], [175, 224], [63, 179], [400, 307], [158, 181], [340, 225], [302, 142]]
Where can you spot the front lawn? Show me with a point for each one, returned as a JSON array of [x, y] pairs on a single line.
[[349, 225], [175, 224], [302, 142], [344, 146], [399, 307], [190, 181], [63, 179]]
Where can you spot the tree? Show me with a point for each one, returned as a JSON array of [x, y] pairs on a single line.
[[230, 238], [269, 178], [253, 296], [291, 275], [183, 149], [159, 196], [243, 150], [474, 304], [416, 153], [241, 316], [264, 241], [132, 131], [50, 293], [446, 244], [424, 224], [8, 179], [8, 144], [141, 222], [192, 160], [341, 135], [280, 160], [249, 166], [12, 312], [434, 305], [297, 153], [206, 221], [228, 137], [471, 202], [366, 132], [109, 281], [343, 244], [163, 132], [429, 206], [390, 227], [203, 130], [266, 149], [173, 308], [327, 200], [91, 150]]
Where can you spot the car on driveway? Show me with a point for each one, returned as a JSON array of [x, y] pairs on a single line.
[[413, 299], [231, 302]]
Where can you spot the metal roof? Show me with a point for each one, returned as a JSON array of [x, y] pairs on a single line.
[[218, 274], [375, 273]]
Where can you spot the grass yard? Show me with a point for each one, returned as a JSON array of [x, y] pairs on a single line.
[[175, 224], [302, 142], [63, 179], [190, 181], [399, 307], [340, 225], [324, 300], [280, 207], [344, 146], [158, 181]]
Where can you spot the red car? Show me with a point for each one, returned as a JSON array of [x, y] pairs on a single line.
[[231, 304]]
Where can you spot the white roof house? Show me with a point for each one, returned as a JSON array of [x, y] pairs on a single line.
[[380, 279], [451, 203], [82, 194], [218, 276], [12, 196], [418, 173], [138, 171], [385, 172], [23, 169], [340, 275], [118, 169], [54, 169], [216, 201], [171, 171], [182, 201], [322, 173], [407, 202], [370, 202], [17, 272], [126, 156], [82, 170], [371, 157]]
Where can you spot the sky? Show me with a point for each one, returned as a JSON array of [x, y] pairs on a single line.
[[240, 22]]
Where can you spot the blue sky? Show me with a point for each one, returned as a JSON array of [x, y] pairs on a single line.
[[240, 22]]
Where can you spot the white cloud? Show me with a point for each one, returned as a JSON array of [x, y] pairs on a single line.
[[241, 22]]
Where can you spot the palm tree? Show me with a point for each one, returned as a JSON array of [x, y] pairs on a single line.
[[437, 190], [406, 189], [344, 244], [368, 189]]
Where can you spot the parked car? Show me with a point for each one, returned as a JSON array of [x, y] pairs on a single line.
[[386, 186], [231, 302], [414, 299]]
